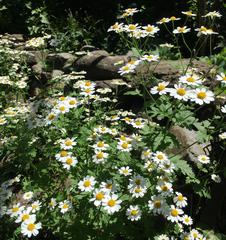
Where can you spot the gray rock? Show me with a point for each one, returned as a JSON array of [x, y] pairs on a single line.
[[33, 57], [56, 73], [37, 68], [99, 65], [58, 60], [189, 147]]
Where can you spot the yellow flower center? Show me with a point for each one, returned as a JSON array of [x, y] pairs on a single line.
[[72, 102], [87, 183], [51, 116], [63, 154], [99, 196], [125, 171], [201, 95], [15, 209], [203, 29], [190, 79], [149, 29], [88, 83], [62, 98], [62, 108], [138, 181], [25, 217], [125, 145], [109, 185], [125, 68], [132, 27], [181, 29], [111, 203], [160, 157], [30, 226], [181, 91], [134, 212], [137, 190], [65, 206], [100, 155], [100, 144], [88, 91], [224, 78], [164, 188], [180, 198], [173, 18], [174, 213], [68, 142], [123, 138], [161, 87], [69, 161], [115, 26], [157, 204]]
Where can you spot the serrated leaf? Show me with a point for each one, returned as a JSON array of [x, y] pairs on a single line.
[[183, 166]]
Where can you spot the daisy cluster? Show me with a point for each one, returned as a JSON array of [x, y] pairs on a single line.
[[134, 30]]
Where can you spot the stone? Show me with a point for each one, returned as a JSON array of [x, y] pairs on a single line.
[[37, 68], [34, 57], [58, 60], [56, 73], [189, 148], [99, 65]]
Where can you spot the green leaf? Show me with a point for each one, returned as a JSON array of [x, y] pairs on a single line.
[[183, 166], [133, 93]]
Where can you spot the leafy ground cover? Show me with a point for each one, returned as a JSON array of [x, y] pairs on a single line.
[[75, 165]]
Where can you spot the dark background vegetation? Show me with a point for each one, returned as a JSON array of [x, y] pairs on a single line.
[[95, 17]]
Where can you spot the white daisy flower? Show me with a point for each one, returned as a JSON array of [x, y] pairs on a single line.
[[15, 210], [222, 136], [174, 214], [189, 14], [69, 162], [111, 203], [216, 178], [131, 27], [87, 184], [194, 235], [52, 203], [190, 79], [137, 191], [223, 109], [163, 20], [157, 204], [201, 96], [160, 88], [138, 123], [67, 143], [64, 206], [108, 186], [126, 171], [128, 68], [203, 159], [98, 197], [205, 31], [146, 154], [26, 216], [173, 18], [62, 154], [151, 29], [213, 14], [117, 27], [35, 206], [221, 77], [180, 92], [180, 200], [150, 58], [130, 11], [186, 220], [51, 117], [30, 228], [124, 146], [100, 157], [100, 146], [72, 102], [28, 195], [61, 108], [3, 120], [137, 181], [133, 213], [165, 188], [162, 237], [183, 29], [159, 157], [149, 165]]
